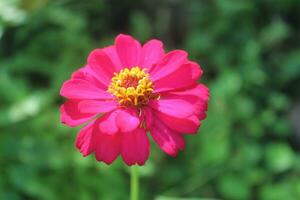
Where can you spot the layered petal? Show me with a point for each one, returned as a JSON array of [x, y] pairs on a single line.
[[152, 52], [197, 96], [85, 73], [135, 147], [101, 64], [82, 89], [86, 141], [200, 92], [72, 116], [147, 117], [108, 147], [97, 106], [168, 140], [187, 125], [129, 50], [120, 120], [127, 120], [82, 73], [173, 107], [108, 124], [168, 64], [114, 57], [185, 76]]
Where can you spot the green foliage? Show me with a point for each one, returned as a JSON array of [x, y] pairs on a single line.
[[246, 148]]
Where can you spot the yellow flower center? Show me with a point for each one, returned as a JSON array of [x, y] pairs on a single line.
[[132, 87]]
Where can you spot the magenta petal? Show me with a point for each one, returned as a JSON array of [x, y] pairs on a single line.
[[97, 106], [135, 147], [113, 55], [169, 141], [186, 76], [168, 64], [101, 65], [200, 91], [197, 96], [108, 147], [86, 141], [189, 125], [148, 117], [152, 52], [81, 89], [71, 115], [107, 123], [173, 107], [129, 50], [86, 74], [81, 73], [127, 120]]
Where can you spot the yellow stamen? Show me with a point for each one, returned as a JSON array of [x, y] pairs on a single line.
[[132, 87]]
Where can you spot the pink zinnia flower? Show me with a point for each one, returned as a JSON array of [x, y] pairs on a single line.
[[127, 90]]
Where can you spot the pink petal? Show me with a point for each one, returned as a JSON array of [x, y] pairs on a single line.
[[135, 147], [186, 76], [169, 141], [127, 120], [81, 89], [81, 73], [101, 65], [113, 55], [189, 125], [148, 118], [107, 123], [129, 50], [71, 115], [97, 106], [86, 140], [108, 147], [173, 107], [197, 96], [85, 73], [168, 64], [152, 52], [200, 92]]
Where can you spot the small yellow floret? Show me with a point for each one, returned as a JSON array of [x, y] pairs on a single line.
[[132, 87]]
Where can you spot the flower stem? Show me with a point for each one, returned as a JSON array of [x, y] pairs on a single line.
[[134, 182]]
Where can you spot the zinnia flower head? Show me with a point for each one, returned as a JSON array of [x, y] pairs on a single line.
[[127, 92]]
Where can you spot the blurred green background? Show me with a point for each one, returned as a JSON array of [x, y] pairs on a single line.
[[248, 147]]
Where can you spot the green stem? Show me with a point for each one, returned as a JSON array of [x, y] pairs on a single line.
[[134, 182]]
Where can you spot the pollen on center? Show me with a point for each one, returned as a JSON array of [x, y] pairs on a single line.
[[132, 87]]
